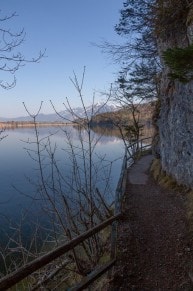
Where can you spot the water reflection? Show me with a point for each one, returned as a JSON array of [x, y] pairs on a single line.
[[19, 172]]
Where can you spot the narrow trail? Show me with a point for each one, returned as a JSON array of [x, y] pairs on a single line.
[[155, 251]]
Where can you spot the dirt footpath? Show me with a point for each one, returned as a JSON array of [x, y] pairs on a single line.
[[155, 251]]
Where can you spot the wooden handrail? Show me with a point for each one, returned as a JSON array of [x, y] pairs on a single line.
[[18, 275], [93, 276], [139, 141]]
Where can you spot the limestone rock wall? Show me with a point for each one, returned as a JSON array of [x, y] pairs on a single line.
[[175, 120]]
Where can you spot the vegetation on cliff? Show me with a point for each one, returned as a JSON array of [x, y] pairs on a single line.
[[180, 61], [154, 32], [156, 62]]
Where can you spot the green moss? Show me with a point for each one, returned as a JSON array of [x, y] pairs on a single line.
[[180, 61]]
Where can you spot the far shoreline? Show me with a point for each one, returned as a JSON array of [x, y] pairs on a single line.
[[25, 124]]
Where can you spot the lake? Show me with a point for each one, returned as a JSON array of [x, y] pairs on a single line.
[[68, 148]]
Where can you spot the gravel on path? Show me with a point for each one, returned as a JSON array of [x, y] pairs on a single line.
[[155, 250]]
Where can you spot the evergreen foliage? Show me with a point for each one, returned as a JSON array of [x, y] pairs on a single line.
[[138, 80], [141, 23], [140, 63], [144, 24], [180, 61], [136, 25]]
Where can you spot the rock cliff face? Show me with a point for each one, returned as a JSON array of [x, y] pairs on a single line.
[[175, 120]]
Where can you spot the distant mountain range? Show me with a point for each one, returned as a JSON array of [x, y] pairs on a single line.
[[67, 115]]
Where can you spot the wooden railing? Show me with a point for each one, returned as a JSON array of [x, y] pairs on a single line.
[[24, 271]]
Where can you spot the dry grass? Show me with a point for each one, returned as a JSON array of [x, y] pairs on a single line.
[[163, 178], [168, 182]]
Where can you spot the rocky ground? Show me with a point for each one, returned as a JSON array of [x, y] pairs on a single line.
[[155, 249]]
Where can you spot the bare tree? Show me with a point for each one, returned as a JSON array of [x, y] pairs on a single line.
[[11, 58], [73, 201], [139, 78]]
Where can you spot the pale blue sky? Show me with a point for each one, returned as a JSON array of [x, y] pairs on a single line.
[[66, 29]]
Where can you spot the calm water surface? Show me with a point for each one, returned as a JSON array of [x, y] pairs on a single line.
[[19, 170]]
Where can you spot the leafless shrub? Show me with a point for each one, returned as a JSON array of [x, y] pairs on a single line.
[[72, 202]]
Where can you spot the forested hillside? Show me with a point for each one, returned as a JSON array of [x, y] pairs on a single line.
[[124, 117]]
